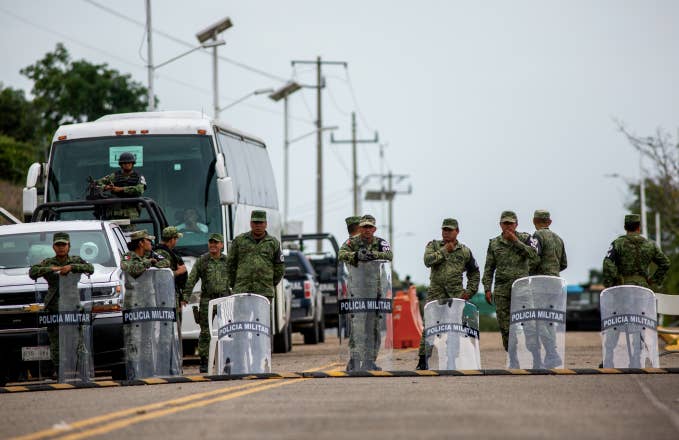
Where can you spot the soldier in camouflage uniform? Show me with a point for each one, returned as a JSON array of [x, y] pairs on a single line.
[[629, 257], [361, 248], [448, 259], [255, 261], [211, 268], [50, 269], [551, 261], [165, 248], [352, 225], [508, 258], [124, 183]]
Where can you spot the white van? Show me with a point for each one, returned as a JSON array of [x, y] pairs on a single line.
[[206, 176]]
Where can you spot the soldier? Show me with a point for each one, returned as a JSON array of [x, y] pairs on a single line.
[[352, 225], [552, 251], [212, 269], [629, 257], [507, 259], [50, 269], [365, 247], [168, 242], [448, 259], [255, 261], [141, 256], [124, 183]]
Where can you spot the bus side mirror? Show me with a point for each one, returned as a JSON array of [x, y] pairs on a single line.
[[30, 192], [225, 190]]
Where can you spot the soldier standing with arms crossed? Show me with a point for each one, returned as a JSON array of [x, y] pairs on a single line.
[[448, 259], [211, 268], [508, 258]]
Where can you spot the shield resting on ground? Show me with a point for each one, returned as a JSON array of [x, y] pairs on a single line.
[[367, 311], [451, 330], [537, 323], [150, 325], [244, 332], [75, 328], [629, 324]]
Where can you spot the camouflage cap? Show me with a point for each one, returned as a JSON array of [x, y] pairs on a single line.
[[367, 220], [449, 223], [258, 216], [61, 237], [138, 235], [541, 214], [171, 232], [353, 220], [508, 216], [216, 237], [632, 218]]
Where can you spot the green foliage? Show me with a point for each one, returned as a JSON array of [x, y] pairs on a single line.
[[15, 158], [19, 119], [69, 91]]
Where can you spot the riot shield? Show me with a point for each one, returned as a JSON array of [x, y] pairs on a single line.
[[244, 332], [150, 325], [537, 323], [629, 335], [75, 329], [452, 334], [367, 312]]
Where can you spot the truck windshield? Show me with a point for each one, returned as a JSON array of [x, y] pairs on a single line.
[[179, 174]]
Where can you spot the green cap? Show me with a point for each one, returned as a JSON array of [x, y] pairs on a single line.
[[216, 237], [61, 237], [367, 220], [353, 220], [632, 218], [449, 223], [541, 214], [171, 232], [138, 235], [508, 216], [258, 216]]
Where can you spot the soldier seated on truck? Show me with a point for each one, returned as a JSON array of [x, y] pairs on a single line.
[[124, 183]]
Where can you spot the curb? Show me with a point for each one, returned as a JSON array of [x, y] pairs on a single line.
[[333, 374]]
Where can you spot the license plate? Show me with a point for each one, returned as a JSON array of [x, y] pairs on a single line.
[[296, 302], [41, 353]]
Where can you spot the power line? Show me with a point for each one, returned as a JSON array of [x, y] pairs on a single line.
[[353, 96]]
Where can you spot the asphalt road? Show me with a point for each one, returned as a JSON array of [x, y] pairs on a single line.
[[597, 406]]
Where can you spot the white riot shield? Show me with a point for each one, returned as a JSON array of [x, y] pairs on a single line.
[[75, 329], [244, 331], [537, 323], [150, 325], [451, 330], [367, 312], [629, 334]]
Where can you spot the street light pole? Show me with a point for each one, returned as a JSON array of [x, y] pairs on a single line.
[[151, 105], [243, 98], [212, 32], [642, 190]]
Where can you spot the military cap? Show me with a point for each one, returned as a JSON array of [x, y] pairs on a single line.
[[508, 216], [353, 220], [171, 232], [367, 220], [449, 223], [138, 235], [61, 237], [541, 214], [258, 216], [216, 237], [632, 218]]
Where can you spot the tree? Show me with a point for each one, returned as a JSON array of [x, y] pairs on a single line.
[[19, 119], [68, 91], [662, 193]]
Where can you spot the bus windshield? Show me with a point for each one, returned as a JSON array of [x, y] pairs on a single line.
[[179, 174]]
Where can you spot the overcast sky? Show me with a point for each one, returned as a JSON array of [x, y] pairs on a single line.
[[486, 105]]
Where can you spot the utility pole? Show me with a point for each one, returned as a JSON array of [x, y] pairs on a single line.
[[353, 141], [151, 105], [319, 140], [389, 195]]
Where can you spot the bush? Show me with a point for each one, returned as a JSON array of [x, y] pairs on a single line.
[[15, 158]]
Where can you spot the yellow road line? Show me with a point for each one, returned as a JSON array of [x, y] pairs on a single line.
[[145, 408]]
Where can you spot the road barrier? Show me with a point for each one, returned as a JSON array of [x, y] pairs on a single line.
[[407, 320]]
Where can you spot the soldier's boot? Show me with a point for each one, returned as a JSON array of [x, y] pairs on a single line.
[[423, 363], [371, 366], [552, 359], [537, 361], [352, 365], [203, 364], [513, 360]]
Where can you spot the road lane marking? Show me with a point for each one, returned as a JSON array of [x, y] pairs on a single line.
[[51, 432], [671, 414]]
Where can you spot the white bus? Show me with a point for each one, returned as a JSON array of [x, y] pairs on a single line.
[[205, 175]]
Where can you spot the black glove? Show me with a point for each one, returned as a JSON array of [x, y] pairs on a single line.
[[362, 254]]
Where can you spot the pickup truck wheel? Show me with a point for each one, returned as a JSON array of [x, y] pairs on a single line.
[[289, 333], [281, 341], [311, 336], [321, 328]]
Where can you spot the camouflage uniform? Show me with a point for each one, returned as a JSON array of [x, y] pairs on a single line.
[[507, 261], [255, 266], [378, 249], [445, 280], [44, 269], [133, 185], [628, 259]]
